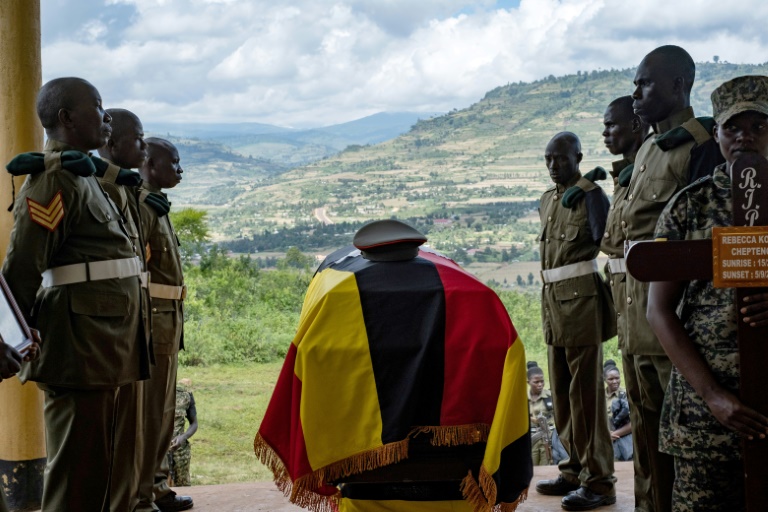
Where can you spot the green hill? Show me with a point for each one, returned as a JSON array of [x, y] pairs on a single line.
[[479, 171]]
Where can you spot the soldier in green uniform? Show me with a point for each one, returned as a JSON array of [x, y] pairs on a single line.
[[125, 149], [180, 454], [73, 270], [541, 410], [703, 419], [577, 316], [623, 135], [161, 170], [680, 150]]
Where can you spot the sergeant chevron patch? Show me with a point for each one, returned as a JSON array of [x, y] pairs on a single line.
[[47, 216]]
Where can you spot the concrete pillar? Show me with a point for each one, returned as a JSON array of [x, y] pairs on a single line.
[[22, 440]]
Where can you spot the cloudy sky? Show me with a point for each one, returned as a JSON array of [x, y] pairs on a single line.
[[306, 63]]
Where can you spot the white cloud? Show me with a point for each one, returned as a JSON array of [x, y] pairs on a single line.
[[309, 63]]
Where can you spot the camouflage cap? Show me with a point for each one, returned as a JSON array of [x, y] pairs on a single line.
[[739, 95], [388, 240]]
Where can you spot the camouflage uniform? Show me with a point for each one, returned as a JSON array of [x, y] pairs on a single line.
[[701, 445], [182, 456], [541, 407]]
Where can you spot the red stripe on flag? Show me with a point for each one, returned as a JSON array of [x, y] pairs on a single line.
[[478, 335], [283, 409]]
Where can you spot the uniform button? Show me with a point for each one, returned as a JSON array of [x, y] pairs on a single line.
[[631, 196], [562, 235], [109, 217], [546, 263], [554, 198], [613, 207], [618, 314], [654, 196], [154, 310], [629, 300], [642, 168], [546, 287], [576, 294], [623, 223], [549, 218], [547, 240], [606, 235], [611, 282]]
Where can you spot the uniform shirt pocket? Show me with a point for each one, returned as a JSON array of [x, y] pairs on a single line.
[[658, 190], [99, 213], [575, 288]]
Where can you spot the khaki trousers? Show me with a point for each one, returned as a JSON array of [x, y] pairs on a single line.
[[646, 379], [159, 409], [124, 488], [79, 433], [576, 381]]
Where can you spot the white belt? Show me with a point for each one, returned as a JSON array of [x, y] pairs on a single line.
[[617, 265], [581, 268], [93, 271], [165, 291]]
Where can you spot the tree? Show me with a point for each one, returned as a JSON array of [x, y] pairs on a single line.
[[520, 281], [530, 278], [192, 229], [294, 258], [716, 59]]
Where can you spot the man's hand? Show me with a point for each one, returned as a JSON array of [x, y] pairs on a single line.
[[757, 310], [177, 442], [32, 352], [732, 413], [10, 361]]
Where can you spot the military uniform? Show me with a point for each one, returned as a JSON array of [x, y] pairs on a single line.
[[68, 231], [577, 317], [167, 291], [182, 456], [542, 406], [622, 448], [122, 185], [689, 431], [680, 150]]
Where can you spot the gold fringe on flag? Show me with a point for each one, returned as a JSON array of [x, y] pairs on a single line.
[[301, 492], [454, 435], [482, 496]]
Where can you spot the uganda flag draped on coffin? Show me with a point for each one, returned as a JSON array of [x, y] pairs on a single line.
[[385, 351]]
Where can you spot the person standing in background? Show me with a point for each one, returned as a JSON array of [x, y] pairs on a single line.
[[161, 170], [577, 316], [180, 454], [680, 151], [125, 149]]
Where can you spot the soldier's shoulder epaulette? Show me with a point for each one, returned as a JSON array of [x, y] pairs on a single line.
[[696, 129], [114, 174], [157, 202], [586, 183], [76, 162], [625, 176]]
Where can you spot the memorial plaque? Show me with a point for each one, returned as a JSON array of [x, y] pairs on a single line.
[[740, 256]]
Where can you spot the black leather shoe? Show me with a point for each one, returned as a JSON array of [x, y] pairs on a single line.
[[557, 487], [172, 502], [584, 499]]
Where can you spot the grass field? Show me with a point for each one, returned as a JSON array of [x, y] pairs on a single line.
[[230, 402]]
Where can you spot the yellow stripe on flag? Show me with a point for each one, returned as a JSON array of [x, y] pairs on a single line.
[[509, 424], [340, 414]]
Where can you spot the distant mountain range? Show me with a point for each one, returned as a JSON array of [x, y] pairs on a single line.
[[464, 165], [287, 147]]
